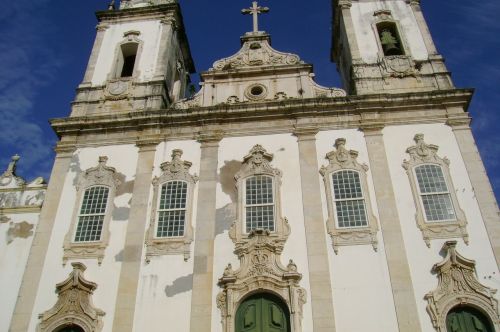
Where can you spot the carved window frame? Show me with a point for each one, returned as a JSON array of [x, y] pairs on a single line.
[[258, 162], [174, 170], [74, 305], [426, 154], [99, 176], [129, 37], [339, 160], [458, 286], [384, 16]]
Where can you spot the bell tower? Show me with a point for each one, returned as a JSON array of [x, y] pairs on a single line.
[[140, 59], [385, 47]]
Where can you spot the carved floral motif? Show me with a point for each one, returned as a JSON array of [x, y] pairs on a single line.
[[260, 270], [458, 286], [74, 305]]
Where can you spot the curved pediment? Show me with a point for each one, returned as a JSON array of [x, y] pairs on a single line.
[[256, 52]]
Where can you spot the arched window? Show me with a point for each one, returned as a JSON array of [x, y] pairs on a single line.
[[88, 235], [467, 319], [348, 198], [350, 217], [390, 39], [170, 231], [259, 203], [262, 312], [172, 209], [437, 210], [126, 59], [92, 213], [71, 328], [434, 193]]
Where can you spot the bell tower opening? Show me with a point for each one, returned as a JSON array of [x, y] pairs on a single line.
[[127, 59], [390, 39]]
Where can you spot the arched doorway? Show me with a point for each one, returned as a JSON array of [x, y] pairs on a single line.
[[71, 328], [262, 313], [467, 319]]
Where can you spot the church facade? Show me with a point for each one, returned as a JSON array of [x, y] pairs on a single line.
[[264, 202]]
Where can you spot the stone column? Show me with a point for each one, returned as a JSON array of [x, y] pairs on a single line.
[[480, 183], [422, 25], [23, 311], [345, 7], [134, 239], [96, 49], [317, 254], [399, 270], [201, 301]]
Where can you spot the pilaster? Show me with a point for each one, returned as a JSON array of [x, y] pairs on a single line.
[[317, 254], [201, 301], [422, 25], [345, 7], [402, 287], [134, 239], [96, 49], [481, 185], [168, 27], [23, 311]]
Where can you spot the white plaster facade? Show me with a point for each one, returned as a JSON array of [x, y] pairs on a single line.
[[358, 288]]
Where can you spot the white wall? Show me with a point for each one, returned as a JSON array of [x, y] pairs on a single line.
[[14, 251], [421, 259], [106, 276], [360, 276], [363, 19]]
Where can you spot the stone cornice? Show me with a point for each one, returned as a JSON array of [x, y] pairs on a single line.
[[350, 111]]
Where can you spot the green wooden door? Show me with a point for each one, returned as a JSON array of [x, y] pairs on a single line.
[[262, 313], [465, 319]]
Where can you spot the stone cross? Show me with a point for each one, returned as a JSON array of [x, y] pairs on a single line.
[[255, 10]]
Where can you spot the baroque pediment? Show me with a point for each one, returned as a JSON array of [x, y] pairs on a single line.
[[99, 175], [257, 161], [256, 52]]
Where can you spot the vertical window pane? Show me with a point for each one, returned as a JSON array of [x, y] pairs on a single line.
[[259, 203], [434, 193], [348, 198], [172, 209], [92, 212]]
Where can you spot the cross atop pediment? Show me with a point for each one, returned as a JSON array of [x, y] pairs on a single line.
[[255, 11]]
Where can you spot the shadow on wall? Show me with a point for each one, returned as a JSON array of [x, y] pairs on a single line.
[[226, 215], [180, 285]]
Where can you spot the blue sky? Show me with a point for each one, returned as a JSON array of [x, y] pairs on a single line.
[[45, 45]]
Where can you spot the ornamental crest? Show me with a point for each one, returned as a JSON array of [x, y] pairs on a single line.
[[398, 66], [341, 158], [74, 304], [260, 270], [99, 175], [256, 53], [177, 169], [423, 153], [257, 162], [458, 285]]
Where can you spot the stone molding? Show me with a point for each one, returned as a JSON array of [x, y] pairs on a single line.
[[101, 175], [258, 162], [126, 4], [256, 52], [459, 286], [343, 159], [421, 154], [177, 169], [74, 305], [260, 271]]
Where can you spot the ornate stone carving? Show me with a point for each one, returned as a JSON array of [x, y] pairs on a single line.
[[458, 286], [117, 89], [343, 159], [423, 153], [74, 305], [260, 271], [177, 169], [9, 177], [258, 162], [398, 66], [101, 175], [321, 91], [194, 101], [255, 53], [126, 4]]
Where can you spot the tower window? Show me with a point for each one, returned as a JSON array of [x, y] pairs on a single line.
[[127, 59], [390, 39]]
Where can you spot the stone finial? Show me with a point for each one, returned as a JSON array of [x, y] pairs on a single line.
[[11, 169], [418, 138], [103, 160]]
